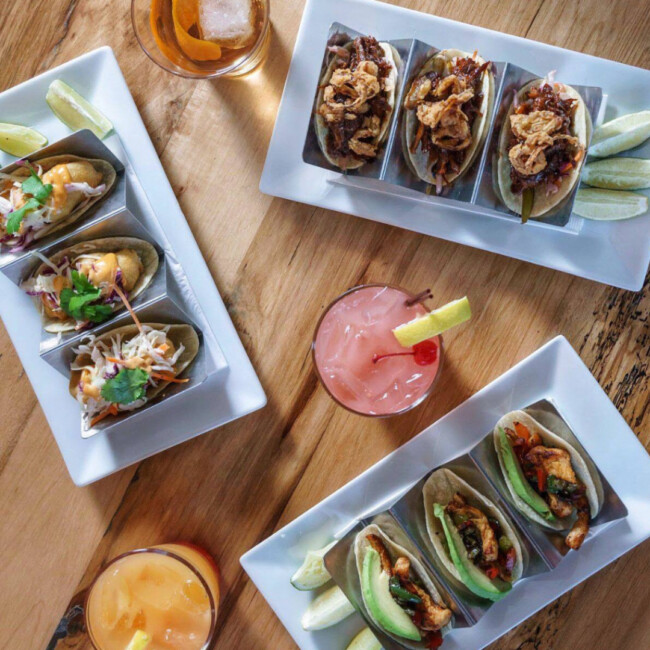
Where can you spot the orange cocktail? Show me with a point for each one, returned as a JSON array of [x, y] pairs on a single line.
[[168, 594]]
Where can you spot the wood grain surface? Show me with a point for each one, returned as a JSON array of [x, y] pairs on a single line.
[[271, 259]]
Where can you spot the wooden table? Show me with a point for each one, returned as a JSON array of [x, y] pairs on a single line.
[[272, 260]]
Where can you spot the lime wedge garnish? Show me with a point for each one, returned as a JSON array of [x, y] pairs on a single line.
[[433, 323], [139, 641], [312, 574], [75, 111], [365, 640], [609, 205], [328, 609], [20, 140], [620, 134], [618, 174]]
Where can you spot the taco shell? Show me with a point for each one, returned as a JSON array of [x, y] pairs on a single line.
[[543, 202], [419, 160], [589, 478], [440, 488]]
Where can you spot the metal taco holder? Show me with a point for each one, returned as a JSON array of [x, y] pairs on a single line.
[[475, 190], [405, 522]]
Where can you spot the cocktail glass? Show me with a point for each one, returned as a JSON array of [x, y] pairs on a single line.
[[170, 592], [171, 34], [358, 359]]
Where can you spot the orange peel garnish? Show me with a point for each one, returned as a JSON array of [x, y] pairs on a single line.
[[186, 14]]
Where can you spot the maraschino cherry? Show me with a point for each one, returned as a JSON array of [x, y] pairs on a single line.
[[424, 353]]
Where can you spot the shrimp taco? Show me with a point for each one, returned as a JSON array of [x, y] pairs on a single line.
[[446, 116], [355, 101], [541, 147], [125, 368], [87, 283], [473, 539], [39, 198], [549, 480], [397, 593]]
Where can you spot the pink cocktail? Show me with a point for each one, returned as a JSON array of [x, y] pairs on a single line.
[[359, 360]]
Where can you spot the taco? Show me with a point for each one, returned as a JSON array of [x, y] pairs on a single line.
[[355, 101], [473, 538], [549, 480], [85, 284], [125, 368], [541, 147], [39, 198], [397, 593], [446, 116]]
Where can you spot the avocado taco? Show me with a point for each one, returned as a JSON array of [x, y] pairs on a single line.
[[473, 538], [397, 593], [355, 101], [39, 198], [125, 368], [446, 116], [87, 283], [541, 147], [549, 481]]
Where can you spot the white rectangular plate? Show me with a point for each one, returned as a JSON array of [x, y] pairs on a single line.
[[615, 253], [554, 372], [222, 397]]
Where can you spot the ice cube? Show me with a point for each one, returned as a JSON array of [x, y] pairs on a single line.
[[230, 23]]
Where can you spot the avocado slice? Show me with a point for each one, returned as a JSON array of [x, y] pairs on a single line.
[[519, 483], [380, 603], [473, 578]]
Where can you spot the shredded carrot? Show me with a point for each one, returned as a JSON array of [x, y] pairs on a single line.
[[111, 410], [120, 293], [522, 430], [165, 376], [120, 362]]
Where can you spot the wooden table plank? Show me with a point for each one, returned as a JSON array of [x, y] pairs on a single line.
[[273, 259]]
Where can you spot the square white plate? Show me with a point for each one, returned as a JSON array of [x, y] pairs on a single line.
[[222, 397], [615, 253], [554, 372]]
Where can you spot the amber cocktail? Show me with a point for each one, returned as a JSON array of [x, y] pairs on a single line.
[[168, 593], [203, 38]]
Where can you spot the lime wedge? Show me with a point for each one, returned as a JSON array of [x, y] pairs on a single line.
[[608, 205], [75, 111], [139, 641], [433, 323], [330, 608], [618, 174], [312, 574], [20, 140], [620, 134], [365, 640]]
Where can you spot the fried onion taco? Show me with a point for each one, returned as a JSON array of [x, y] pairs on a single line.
[[473, 538], [397, 593], [125, 368], [446, 116], [549, 480], [87, 283], [39, 198], [542, 147], [355, 101]]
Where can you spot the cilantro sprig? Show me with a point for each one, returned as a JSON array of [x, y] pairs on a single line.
[[39, 192], [77, 302], [126, 387]]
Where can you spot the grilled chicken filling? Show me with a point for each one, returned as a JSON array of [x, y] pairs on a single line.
[[542, 150], [72, 185], [104, 271], [446, 108], [551, 474], [483, 539], [408, 592], [354, 100]]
